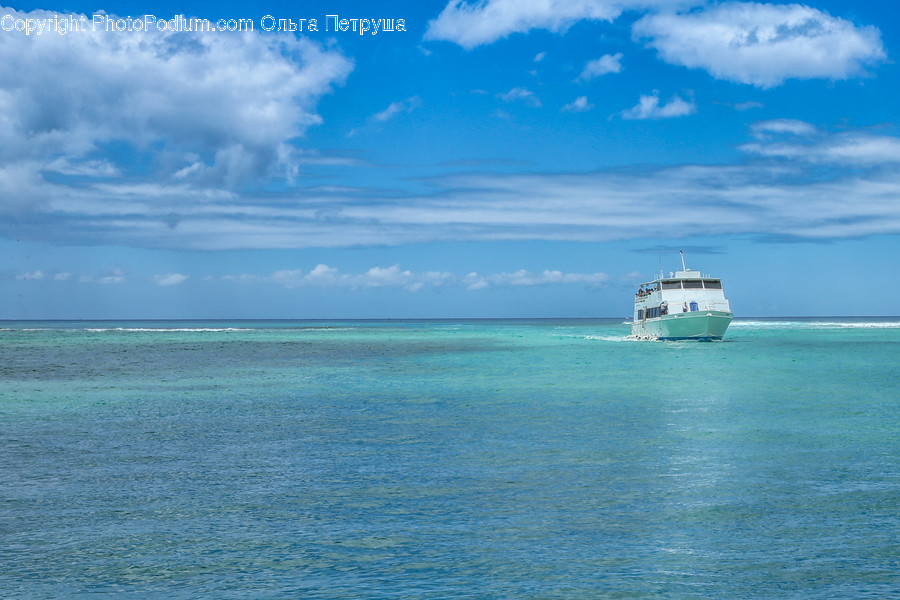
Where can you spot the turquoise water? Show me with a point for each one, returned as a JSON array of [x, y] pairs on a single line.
[[481, 459]]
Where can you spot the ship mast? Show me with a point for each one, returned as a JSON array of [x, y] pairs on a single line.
[[684, 268]]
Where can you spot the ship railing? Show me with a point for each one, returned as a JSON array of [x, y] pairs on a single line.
[[722, 306]]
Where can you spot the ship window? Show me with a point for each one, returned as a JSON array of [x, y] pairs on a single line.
[[671, 285], [693, 284], [640, 314], [712, 284]]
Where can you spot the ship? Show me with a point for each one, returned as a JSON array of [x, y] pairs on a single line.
[[686, 305]]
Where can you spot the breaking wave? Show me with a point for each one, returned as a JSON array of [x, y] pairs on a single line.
[[165, 329], [813, 324], [609, 338]]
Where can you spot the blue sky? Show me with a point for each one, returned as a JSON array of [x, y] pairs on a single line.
[[494, 159]]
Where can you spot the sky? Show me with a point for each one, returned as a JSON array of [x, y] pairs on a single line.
[[434, 159]]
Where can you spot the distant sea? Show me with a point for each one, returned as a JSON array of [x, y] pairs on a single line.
[[533, 459]]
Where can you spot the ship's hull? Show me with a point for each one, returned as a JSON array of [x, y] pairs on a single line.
[[701, 325]]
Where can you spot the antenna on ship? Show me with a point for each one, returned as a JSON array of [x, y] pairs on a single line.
[[684, 268]]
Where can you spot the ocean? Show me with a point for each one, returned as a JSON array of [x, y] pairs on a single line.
[[523, 459]]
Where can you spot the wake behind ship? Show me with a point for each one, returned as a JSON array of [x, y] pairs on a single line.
[[686, 305]]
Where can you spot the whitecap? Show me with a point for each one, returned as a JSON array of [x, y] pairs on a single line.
[[815, 324], [609, 338]]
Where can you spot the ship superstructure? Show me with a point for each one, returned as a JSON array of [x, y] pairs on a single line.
[[686, 305]]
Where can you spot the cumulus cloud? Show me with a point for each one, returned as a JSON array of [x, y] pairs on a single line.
[[762, 44], [520, 94], [219, 128], [487, 21], [580, 104], [211, 108], [608, 63], [649, 108], [114, 276], [323, 276], [471, 25], [523, 277]]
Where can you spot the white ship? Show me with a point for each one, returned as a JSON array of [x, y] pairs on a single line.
[[686, 305]]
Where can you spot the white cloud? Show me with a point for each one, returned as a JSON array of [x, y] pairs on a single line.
[[787, 194], [782, 126], [257, 91], [31, 276], [88, 168], [580, 104], [649, 108], [608, 63], [170, 279], [523, 277], [397, 108], [329, 277], [114, 276], [215, 108], [471, 25], [798, 140], [862, 149], [766, 199], [391, 276], [762, 44], [475, 282], [520, 94], [750, 104], [39, 275], [487, 21], [323, 276]]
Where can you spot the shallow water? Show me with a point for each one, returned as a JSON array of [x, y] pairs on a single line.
[[489, 459]]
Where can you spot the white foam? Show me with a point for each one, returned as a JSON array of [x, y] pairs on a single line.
[[609, 338], [164, 329], [815, 324]]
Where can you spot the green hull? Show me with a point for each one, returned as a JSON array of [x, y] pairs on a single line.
[[700, 325]]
